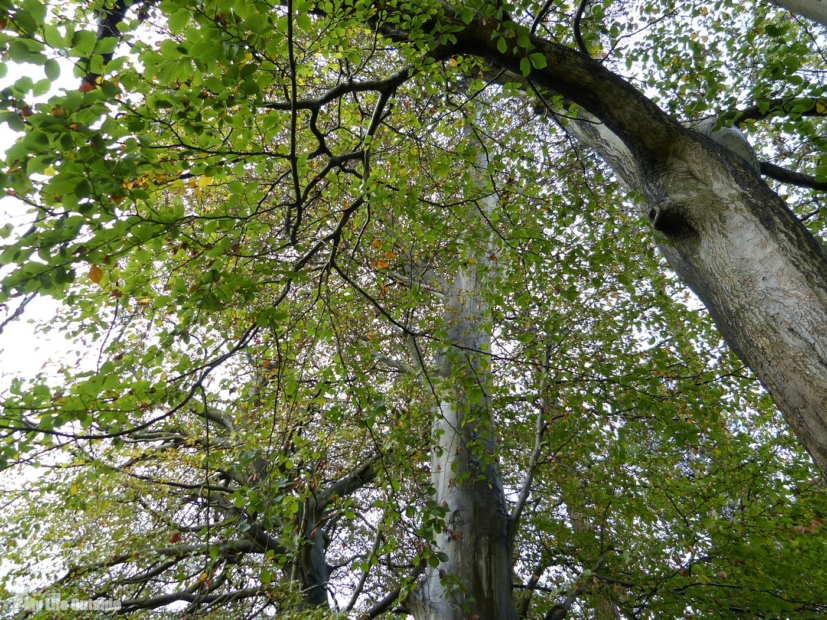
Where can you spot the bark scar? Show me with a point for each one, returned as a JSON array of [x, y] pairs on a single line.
[[669, 217]]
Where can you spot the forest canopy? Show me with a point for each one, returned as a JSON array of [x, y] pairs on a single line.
[[387, 308]]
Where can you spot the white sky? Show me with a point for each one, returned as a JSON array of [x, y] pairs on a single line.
[[24, 351]]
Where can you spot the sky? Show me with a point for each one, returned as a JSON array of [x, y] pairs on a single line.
[[24, 349]]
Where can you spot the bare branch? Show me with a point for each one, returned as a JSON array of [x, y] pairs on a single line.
[[363, 578]]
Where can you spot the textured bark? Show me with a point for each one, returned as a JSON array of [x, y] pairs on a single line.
[[475, 581], [759, 272]]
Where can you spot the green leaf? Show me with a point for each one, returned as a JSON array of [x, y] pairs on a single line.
[[84, 42], [303, 21], [538, 60], [52, 69], [179, 20], [525, 66]]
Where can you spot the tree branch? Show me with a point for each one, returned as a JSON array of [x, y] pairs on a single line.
[[799, 106], [790, 177], [165, 599], [581, 45], [385, 603], [347, 485], [561, 610], [514, 519]]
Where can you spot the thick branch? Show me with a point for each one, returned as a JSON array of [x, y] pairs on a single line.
[[166, 599], [798, 107], [347, 485], [790, 177], [561, 610], [386, 85], [578, 37], [647, 131]]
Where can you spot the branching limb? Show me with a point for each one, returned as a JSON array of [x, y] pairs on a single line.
[[216, 416], [166, 599], [389, 361], [531, 586], [176, 551], [386, 85], [347, 485], [540, 429], [561, 610], [385, 603], [538, 20], [364, 577], [775, 107]]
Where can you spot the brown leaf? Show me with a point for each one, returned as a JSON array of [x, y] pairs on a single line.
[[95, 274]]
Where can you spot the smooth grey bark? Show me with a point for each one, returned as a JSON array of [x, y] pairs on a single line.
[[815, 10], [760, 273], [476, 579]]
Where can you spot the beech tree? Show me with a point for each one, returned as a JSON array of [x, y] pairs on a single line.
[[379, 308]]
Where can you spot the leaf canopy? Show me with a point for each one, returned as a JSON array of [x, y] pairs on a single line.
[[251, 217]]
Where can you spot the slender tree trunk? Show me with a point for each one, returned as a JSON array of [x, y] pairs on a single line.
[[475, 579]]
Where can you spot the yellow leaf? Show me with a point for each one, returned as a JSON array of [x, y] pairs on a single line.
[[144, 300], [820, 107], [95, 274], [204, 181], [50, 171]]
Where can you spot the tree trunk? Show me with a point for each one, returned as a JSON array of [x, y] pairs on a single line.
[[815, 10], [475, 579], [757, 269], [759, 272]]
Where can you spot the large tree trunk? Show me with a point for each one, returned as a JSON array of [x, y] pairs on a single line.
[[815, 10], [759, 272], [475, 579]]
